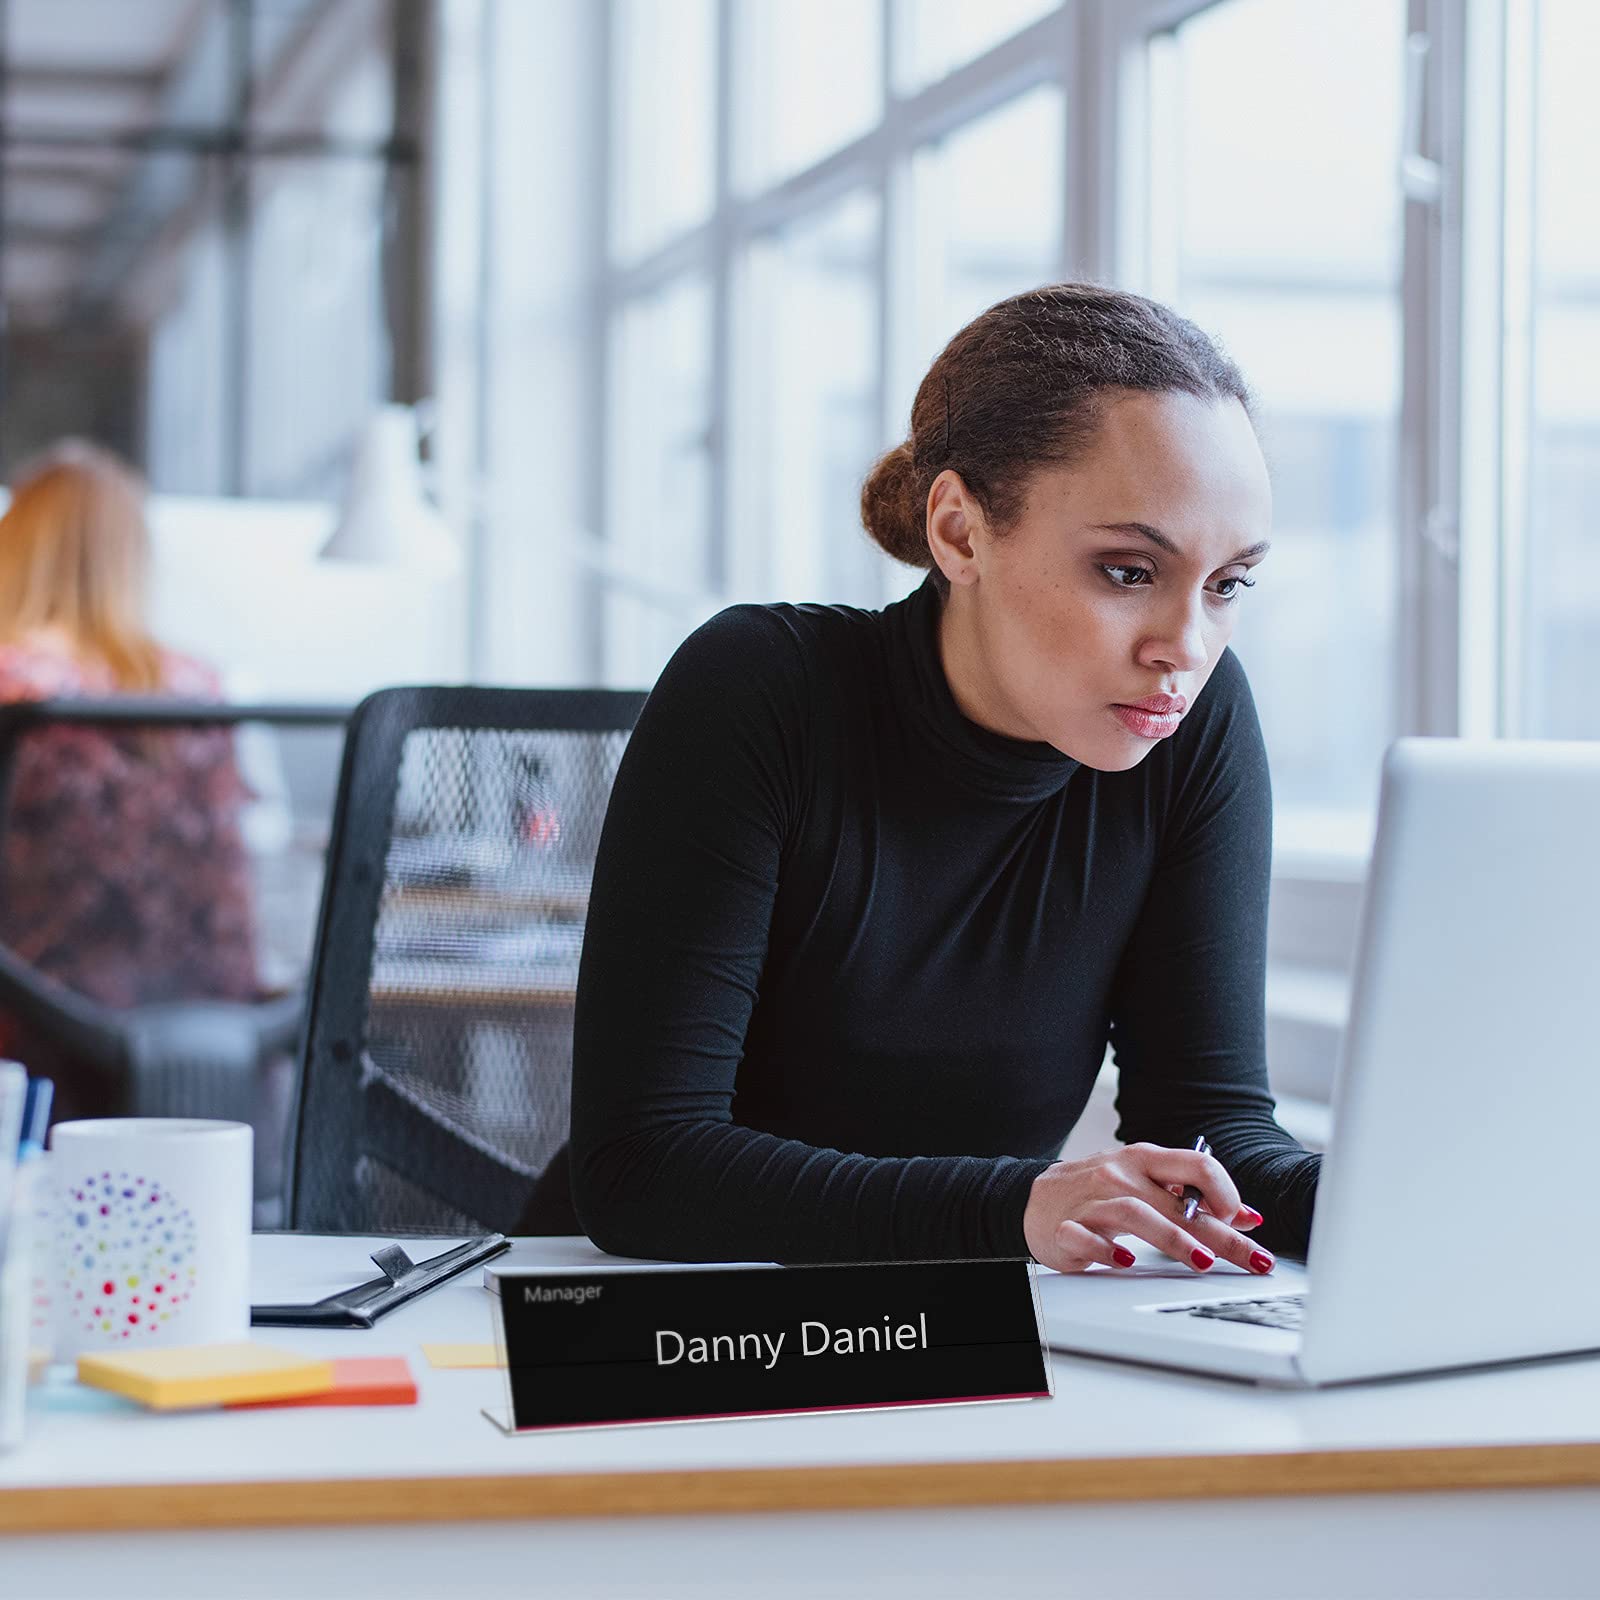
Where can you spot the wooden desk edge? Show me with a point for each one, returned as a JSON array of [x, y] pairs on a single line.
[[165, 1506]]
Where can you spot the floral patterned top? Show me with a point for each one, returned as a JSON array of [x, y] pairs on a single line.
[[123, 872]]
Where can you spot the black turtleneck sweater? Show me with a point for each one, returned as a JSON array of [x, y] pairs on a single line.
[[852, 960]]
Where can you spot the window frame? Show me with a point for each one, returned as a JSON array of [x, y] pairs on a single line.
[[1047, 50]]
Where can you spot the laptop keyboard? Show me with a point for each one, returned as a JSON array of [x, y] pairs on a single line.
[[1278, 1311]]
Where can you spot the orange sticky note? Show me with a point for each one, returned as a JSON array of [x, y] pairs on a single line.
[[357, 1381]]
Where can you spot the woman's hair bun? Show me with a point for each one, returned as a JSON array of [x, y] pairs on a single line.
[[892, 511], [1021, 388]]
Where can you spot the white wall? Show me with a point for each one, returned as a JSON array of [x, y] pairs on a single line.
[[239, 583]]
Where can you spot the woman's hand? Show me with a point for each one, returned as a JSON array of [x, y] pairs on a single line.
[[1077, 1208]]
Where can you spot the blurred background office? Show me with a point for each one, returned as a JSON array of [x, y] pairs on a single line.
[[616, 301]]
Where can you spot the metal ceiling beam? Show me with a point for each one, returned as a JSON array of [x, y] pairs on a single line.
[[51, 78], [154, 195], [408, 240], [204, 141], [75, 237], [188, 41], [59, 175]]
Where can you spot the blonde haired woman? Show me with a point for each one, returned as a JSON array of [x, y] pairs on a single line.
[[122, 871], [73, 554]]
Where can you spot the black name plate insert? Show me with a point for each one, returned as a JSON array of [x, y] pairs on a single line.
[[684, 1344]]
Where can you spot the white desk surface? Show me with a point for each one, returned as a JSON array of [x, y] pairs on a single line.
[[1112, 1431]]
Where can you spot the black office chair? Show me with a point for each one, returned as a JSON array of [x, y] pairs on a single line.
[[160, 870], [435, 1079]]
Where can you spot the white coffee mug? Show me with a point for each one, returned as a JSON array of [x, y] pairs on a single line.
[[152, 1230]]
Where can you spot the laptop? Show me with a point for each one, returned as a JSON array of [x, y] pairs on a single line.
[[1453, 1223]]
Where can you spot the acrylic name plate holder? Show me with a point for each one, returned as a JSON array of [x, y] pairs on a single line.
[[606, 1348]]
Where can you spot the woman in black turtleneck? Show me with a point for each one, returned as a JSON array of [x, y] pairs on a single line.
[[876, 887]]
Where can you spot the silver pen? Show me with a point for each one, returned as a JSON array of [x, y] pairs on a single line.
[[1191, 1195]]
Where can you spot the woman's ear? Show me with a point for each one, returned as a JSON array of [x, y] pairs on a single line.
[[955, 527]]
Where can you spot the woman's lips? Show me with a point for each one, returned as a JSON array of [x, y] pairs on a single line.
[[1146, 723]]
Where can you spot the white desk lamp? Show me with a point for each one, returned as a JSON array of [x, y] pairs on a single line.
[[386, 519]]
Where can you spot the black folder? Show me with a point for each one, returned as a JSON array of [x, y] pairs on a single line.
[[403, 1279]]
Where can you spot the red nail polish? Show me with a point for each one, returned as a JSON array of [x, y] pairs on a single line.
[[1122, 1257], [1201, 1257], [1251, 1215], [1260, 1260]]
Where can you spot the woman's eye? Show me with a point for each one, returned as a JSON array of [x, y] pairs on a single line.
[[1144, 571], [1142, 577]]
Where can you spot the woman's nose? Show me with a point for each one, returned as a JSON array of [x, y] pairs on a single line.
[[1184, 648]]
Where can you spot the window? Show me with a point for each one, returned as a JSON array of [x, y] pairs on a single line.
[[272, 275], [657, 510], [1277, 229], [320, 345], [804, 423], [1413, 292], [763, 211], [663, 172], [988, 201], [1559, 632], [808, 79], [935, 37], [1275, 219]]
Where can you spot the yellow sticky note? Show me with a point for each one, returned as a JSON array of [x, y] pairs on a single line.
[[205, 1374], [461, 1355]]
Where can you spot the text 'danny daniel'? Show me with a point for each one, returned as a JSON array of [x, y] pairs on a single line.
[[815, 1338]]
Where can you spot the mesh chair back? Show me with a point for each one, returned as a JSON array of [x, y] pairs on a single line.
[[436, 1079]]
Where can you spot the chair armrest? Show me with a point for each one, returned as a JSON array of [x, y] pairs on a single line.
[[450, 1163], [77, 1025], [278, 1021], [203, 1057]]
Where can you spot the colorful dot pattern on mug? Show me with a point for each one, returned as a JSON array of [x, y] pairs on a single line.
[[129, 1248]]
